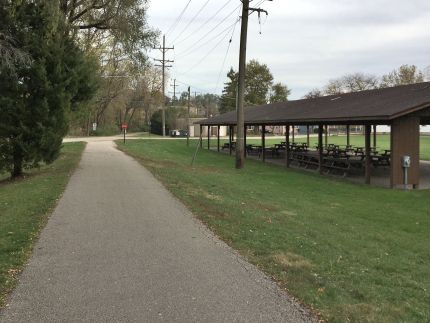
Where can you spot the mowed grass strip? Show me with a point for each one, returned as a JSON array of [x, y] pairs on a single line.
[[350, 252], [382, 142], [25, 205]]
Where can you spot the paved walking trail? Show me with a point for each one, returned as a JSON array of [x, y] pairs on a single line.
[[120, 248]]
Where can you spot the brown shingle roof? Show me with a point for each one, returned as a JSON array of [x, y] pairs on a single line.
[[373, 105]]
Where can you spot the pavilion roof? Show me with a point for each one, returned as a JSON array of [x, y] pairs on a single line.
[[381, 105]]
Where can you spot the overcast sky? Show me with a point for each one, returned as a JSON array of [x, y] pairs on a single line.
[[305, 43]]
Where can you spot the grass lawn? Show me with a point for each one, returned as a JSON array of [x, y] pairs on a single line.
[[382, 142], [350, 252], [25, 205]]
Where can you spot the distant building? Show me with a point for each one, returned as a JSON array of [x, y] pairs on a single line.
[[195, 128]]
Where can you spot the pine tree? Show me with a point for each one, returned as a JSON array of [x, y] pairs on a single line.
[[229, 93], [258, 82], [35, 98]]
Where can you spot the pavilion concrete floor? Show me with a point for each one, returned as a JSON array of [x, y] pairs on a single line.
[[380, 175]]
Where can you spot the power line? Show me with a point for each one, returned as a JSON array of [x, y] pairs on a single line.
[[203, 24], [192, 48], [172, 27], [225, 56], [195, 87], [210, 31], [192, 20], [211, 50]]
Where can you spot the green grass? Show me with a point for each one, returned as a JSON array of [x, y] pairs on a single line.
[[382, 142], [349, 251], [25, 205]]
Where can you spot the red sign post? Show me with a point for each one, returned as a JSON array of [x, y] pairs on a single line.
[[124, 127]]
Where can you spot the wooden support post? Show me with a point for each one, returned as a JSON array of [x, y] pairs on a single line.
[[293, 132], [218, 130], [367, 172], [374, 137], [307, 135], [230, 138], [405, 141], [209, 137], [348, 133], [287, 145], [263, 143], [244, 140], [201, 136], [325, 136], [320, 148]]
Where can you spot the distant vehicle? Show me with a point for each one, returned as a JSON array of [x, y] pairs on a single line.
[[174, 133], [178, 133]]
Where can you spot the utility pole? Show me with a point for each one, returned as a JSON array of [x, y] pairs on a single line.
[[174, 90], [195, 102], [163, 65], [188, 118], [240, 140]]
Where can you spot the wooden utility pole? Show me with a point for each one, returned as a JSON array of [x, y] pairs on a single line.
[[188, 118], [195, 103], [174, 91], [163, 66], [240, 149], [240, 141]]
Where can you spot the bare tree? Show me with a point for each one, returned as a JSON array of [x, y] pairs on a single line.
[[351, 83], [314, 93], [405, 74]]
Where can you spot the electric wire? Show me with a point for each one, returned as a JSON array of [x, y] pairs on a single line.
[[209, 32], [191, 21], [210, 51], [192, 86], [172, 27], [225, 56], [201, 25], [192, 49], [231, 27]]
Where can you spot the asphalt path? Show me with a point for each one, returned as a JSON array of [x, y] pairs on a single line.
[[120, 248]]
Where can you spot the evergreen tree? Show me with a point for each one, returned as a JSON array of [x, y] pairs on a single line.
[[258, 84], [229, 93], [35, 98]]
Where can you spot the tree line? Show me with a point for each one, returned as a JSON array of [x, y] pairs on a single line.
[[404, 75]]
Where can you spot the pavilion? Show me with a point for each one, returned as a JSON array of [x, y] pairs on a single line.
[[403, 108]]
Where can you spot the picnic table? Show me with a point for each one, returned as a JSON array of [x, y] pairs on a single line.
[[299, 146], [227, 145], [383, 159], [253, 149]]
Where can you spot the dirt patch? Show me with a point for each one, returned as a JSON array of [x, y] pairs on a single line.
[[206, 208], [289, 213], [291, 260], [265, 207]]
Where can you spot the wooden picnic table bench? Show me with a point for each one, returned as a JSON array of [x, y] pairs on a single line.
[[226, 145], [253, 149], [383, 159]]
